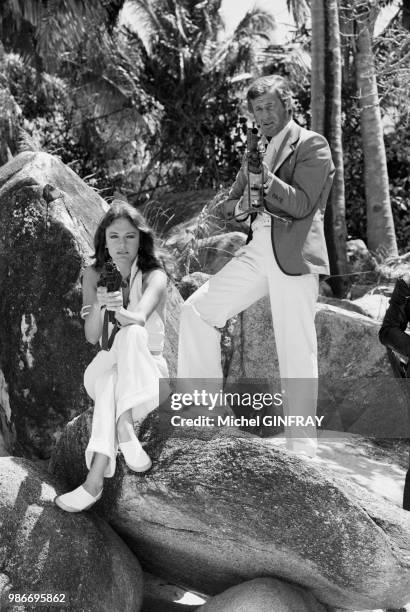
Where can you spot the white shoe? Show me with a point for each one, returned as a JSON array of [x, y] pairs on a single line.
[[77, 500], [135, 456]]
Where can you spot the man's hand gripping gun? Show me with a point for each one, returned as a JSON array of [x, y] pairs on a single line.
[[255, 166]]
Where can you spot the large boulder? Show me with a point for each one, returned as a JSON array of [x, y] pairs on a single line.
[[356, 385], [214, 252], [178, 212], [264, 595], [46, 550], [220, 507], [374, 305], [357, 390], [191, 282], [48, 217], [43, 247]]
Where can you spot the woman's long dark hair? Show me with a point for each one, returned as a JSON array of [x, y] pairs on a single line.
[[147, 257]]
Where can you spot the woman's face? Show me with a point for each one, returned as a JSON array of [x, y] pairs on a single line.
[[122, 239]]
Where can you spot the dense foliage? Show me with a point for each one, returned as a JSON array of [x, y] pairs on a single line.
[[159, 106], [392, 51]]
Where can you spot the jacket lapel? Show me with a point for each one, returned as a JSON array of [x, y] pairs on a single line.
[[288, 145]]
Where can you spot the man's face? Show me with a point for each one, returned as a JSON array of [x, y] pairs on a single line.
[[269, 113]]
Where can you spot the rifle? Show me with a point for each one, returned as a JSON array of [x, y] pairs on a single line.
[[254, 160]]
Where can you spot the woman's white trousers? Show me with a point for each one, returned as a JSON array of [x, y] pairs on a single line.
[[126, 377]]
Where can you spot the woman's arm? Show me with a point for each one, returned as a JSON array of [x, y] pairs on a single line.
[[155, 290], [392, 332], [91, 310]]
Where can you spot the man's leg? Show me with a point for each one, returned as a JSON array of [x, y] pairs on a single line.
[[293, 303], [238, 285]]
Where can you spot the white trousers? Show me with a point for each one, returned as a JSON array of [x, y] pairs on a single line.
[[244, 280], [126, 377]]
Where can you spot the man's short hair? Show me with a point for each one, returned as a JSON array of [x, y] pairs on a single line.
[[271, 83]]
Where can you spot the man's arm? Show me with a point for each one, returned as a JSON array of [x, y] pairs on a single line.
[[392, 332], [232, 205], [313, 168]]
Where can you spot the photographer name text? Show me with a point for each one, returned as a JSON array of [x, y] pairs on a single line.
[[242, 421]]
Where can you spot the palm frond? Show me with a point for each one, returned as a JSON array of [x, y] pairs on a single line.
[[27, 142], [300, 10]]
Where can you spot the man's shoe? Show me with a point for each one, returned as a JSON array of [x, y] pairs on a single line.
[[77, 500], [134, 455]]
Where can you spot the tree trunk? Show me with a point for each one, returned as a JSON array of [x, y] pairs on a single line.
[[406, 14], [326, 119], [380, 226], [335, 216], [317, 101]]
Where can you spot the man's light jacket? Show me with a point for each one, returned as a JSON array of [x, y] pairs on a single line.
[[303, 174]]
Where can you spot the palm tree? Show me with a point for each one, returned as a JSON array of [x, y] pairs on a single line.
[[44, 31], [380, 225], [380, 231], [187, 66], [299, 9], [406, 14], [326, 93], [335, 216]]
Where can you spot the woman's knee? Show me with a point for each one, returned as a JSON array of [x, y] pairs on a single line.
[[103, 389], [98, 368], [193, 316]]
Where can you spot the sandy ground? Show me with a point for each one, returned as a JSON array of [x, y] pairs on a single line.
[[377, 469]]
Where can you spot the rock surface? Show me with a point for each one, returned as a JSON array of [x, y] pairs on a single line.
[[356, 385], [373, 305], [45, 242], [43, 246], [190, 283], [214, 252], [46, 550], [264, 595], [220, 507]]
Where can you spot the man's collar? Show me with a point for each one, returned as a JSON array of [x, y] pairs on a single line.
[[279, 138], [284, 142]]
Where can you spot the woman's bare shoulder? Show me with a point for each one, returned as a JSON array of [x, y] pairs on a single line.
[[157, 275], [156, 280]]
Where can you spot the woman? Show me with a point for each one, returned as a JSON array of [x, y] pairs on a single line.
[[122, 381], [392, 334]]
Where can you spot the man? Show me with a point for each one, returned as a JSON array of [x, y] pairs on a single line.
[[284, 256], [393, 335]]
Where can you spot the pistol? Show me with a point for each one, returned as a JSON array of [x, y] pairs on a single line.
[[111, 278]]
